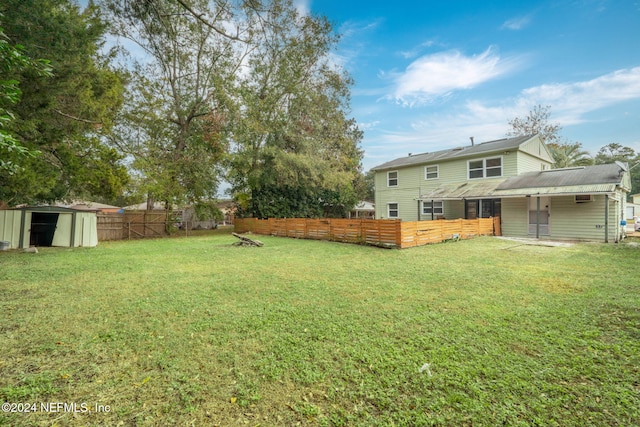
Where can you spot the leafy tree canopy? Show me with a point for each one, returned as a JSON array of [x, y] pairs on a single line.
[[174, 120], [295, 151], [615, 152], [63, 115], [13, 61], [569, 154]]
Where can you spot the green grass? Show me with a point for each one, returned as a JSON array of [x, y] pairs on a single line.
[[195, 331]]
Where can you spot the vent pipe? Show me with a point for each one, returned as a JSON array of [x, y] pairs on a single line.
[[471, 138]]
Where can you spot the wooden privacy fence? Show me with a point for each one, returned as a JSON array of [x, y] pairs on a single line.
[[379, 232], [132, 225]]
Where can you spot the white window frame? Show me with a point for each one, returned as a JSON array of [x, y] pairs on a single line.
[[389, 179], [484, 168], [438, 207], [397, 210], [427, 173]]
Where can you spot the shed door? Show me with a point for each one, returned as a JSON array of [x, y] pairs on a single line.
[[43, 228]]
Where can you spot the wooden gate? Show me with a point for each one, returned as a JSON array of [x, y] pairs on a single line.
[[132, 225]]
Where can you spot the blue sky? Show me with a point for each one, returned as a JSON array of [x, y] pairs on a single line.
[[430, 74]]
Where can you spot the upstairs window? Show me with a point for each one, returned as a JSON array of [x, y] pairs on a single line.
[[476, 169], [392, 179], [485, 168], [431, 172]]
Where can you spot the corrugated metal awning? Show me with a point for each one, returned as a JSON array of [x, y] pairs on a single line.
[[558, 191], [463, 190], [488, 190]]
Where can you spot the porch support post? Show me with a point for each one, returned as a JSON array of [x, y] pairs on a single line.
[[538, 217], [433, 208], [606, 218], [418, 209]]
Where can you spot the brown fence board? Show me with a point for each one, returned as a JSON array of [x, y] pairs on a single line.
[[109, 226], [371, 231]]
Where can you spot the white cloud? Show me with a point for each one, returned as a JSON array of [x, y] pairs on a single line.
[[368, 125], [351, 29], [572, 100], [571, 103], [516, 24], [437, 75], [408, 54]]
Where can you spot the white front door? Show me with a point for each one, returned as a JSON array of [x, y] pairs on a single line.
[[545, 224]]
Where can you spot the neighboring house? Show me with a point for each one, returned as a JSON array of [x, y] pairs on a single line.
[[156, 206], [511, 178], [363, 210], [228, 209], [92, 206]]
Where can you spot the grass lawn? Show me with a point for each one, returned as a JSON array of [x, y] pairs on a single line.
[[195, 331]]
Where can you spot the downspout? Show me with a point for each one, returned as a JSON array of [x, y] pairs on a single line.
[[433, 208], [606, 218]]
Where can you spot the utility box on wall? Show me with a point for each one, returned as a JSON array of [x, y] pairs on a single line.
[[48, 226]]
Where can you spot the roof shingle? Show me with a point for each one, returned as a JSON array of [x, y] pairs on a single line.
[[455, 153]]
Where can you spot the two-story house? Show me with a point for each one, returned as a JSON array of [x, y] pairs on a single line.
[[511, 178]]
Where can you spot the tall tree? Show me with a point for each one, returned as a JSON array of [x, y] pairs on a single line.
[[296, 152], [65, 115], [174, 122], [616, 152], [13, 62], [537, 122], [569, 154], [565, 154]]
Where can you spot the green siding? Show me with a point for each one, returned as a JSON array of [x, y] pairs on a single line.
[[515, 217], [584, 221], [529, 163], [536, 148], [568, 220], [406, 199]]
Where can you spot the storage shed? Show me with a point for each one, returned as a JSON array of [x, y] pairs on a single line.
[[48, 226]]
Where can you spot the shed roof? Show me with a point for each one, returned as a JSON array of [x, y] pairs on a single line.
[[498, 145], [52, 209]]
